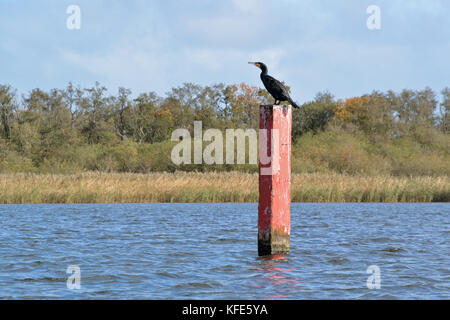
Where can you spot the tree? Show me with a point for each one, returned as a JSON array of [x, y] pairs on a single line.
[[81, 129], [46, 121], [444, 109], [72, 97], [7, 108], [151, 121], [121, 106], [313, 116], [208, 107], [413, 109], [242, 105], [96, 112]]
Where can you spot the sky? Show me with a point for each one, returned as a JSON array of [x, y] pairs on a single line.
[[313, 45]]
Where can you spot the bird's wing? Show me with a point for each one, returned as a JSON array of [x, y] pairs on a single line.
[[275, 87]]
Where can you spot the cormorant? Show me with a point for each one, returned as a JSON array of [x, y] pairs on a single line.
[[273, 86]]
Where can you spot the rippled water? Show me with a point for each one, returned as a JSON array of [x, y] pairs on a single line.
[[209, 251]]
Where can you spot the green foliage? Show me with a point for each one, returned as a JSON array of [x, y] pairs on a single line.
[[313, 116], [12, 162], [6, 110], [75, 130], [336, 151], [444, 119]]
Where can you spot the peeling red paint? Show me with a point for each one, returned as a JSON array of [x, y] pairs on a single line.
[[274, 208]]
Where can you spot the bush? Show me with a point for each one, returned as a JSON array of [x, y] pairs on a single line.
[[335, 151], [13, 162], [312, 117]]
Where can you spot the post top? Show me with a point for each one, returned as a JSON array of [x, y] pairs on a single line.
[[275, 105], [271, 107]]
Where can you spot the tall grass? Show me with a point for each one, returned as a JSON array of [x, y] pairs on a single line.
[[214, 187]]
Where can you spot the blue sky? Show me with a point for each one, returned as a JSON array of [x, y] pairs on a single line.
[[313, 45]]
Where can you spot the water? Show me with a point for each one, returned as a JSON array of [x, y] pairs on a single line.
[[209, 251]]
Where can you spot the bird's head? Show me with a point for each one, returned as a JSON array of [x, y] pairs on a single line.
[[260, 65]]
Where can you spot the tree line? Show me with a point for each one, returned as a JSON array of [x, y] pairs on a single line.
[[78, 129]]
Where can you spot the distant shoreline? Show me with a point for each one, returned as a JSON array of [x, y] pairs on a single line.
[[213, 187]]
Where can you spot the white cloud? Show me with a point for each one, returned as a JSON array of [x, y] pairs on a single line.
[[127, 65], [312, 45], [247, 5]]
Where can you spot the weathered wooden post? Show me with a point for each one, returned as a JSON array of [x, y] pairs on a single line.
[[274, 210]]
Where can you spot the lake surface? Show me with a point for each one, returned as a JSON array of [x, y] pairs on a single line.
[[209, 251]]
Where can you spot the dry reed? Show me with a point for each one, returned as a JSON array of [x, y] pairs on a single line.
[[96, 187]]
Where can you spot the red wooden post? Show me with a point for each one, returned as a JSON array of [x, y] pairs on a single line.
[[274, 210]]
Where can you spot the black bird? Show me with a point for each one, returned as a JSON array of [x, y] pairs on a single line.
[[273, 86]]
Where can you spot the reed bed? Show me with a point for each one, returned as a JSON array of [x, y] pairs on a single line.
[[95, 187]]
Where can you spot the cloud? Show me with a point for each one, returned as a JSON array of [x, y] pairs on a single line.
[[312, 45], [123, 65], [248, 5]]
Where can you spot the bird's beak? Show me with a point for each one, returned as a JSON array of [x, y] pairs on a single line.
[[254, 63]]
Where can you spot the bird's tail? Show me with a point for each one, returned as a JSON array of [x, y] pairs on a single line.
[[293, 103]]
